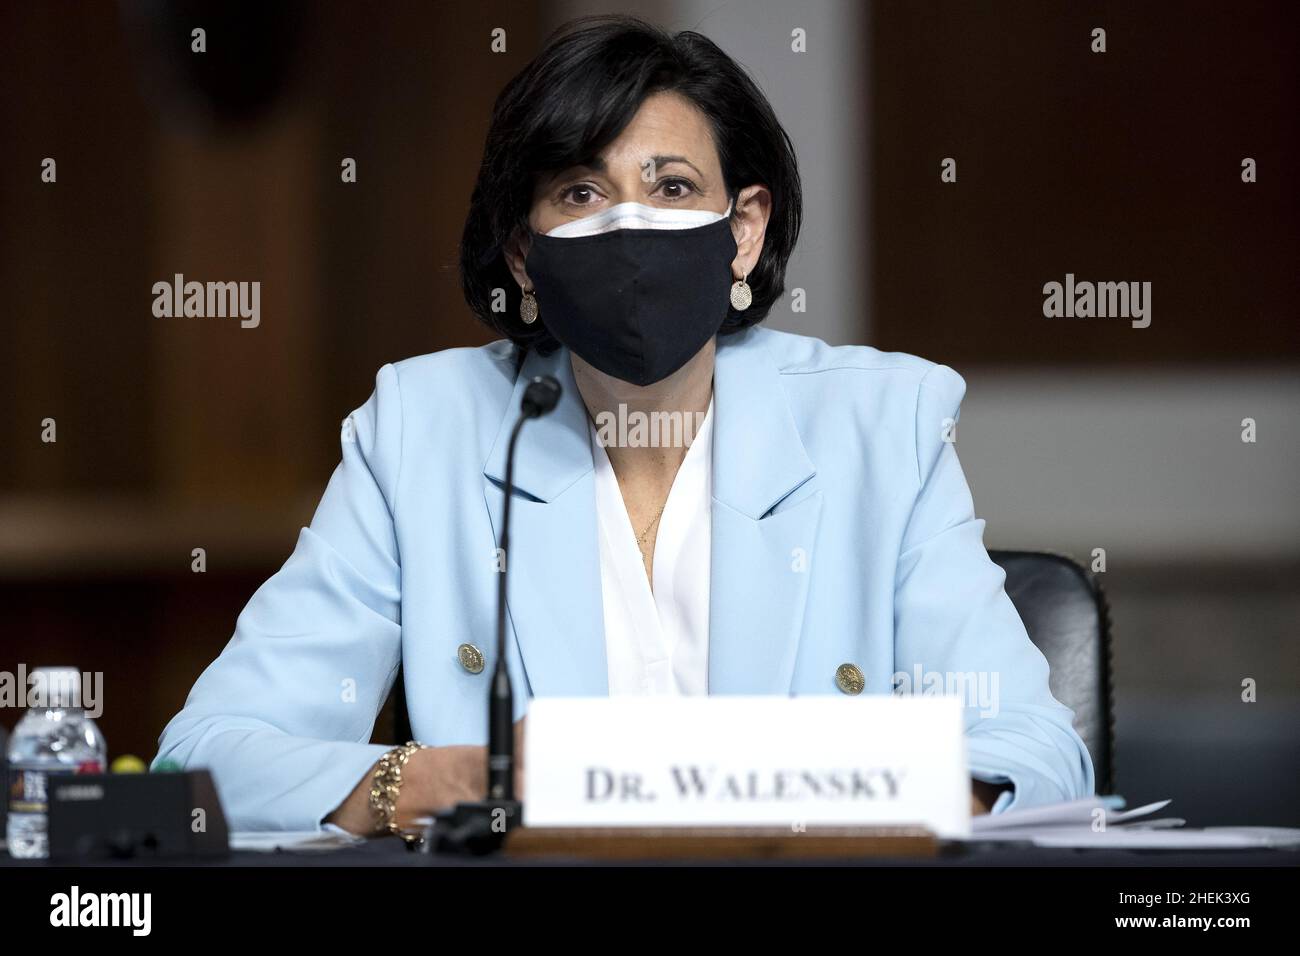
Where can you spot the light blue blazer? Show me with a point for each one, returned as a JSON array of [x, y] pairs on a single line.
[[842, 530]]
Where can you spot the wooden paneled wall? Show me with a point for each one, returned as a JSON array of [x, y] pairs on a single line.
[[178, 433]]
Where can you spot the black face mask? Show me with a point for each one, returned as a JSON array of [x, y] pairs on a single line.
[[635, 303]]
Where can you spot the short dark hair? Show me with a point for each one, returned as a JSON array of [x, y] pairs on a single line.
[[572, 100]]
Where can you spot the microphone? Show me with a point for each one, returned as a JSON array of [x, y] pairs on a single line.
[[541, 395], [481, 826]]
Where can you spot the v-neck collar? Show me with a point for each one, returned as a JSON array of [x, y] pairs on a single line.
[[651, 618], [696, 464]]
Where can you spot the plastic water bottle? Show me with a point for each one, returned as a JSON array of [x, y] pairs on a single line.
[[55, 736]]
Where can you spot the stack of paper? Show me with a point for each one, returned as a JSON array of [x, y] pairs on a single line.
[[1101, 822], [329, 837]]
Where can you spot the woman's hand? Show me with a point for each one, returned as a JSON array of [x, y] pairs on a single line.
[[436, 778], [433, 779]]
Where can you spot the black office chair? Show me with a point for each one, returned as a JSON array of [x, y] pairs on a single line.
[[1066, 615], [1068, 619]]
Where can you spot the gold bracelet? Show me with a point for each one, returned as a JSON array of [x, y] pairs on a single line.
[[385, 787]]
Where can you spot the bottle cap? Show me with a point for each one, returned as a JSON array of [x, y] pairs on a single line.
[[56, 687]]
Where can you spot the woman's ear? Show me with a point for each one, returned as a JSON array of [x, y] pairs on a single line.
[[516, 252], [749, 226]]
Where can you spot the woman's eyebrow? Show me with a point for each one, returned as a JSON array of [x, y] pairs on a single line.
[[595, 165], [665, 160]]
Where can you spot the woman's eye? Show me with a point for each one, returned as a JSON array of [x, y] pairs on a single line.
[[579, 195], [676, 188]]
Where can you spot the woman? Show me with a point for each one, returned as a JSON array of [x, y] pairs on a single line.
[[633, 216]]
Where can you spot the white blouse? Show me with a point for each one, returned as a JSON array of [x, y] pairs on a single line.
[[657, 642]]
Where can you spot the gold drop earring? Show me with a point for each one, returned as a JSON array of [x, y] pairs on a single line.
[[742, 297], [528, 306]]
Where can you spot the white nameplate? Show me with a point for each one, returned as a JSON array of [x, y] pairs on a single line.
[[747, 761]]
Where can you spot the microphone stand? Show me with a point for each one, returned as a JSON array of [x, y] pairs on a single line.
[[480, 826]]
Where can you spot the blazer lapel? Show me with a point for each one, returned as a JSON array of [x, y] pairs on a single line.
[[760, 561], [554, 589]]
